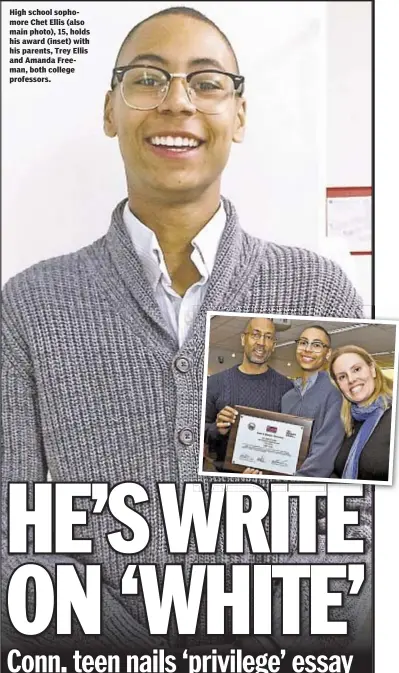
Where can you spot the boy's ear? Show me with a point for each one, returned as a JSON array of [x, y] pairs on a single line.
[[109, 123], [239, 131]]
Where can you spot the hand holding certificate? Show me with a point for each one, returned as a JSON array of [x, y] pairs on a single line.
[[269, 441]]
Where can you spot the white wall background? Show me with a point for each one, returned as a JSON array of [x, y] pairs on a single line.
[[349, 105], [62, 176], [349, 94]]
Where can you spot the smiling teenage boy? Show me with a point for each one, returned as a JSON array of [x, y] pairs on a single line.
[[103, 348], [315, 396]]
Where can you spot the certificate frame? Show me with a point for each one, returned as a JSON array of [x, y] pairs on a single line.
[[306, 423]]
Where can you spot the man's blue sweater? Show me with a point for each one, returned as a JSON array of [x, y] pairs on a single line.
[[232, 387]]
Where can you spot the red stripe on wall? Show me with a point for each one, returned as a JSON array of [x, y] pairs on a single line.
[[339, 192]]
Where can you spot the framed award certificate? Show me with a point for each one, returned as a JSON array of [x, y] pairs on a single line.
[[267, 440]]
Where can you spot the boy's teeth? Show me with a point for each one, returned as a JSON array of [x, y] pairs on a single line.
[[174, 141]]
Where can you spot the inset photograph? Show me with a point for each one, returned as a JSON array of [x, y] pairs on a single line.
[[299, 398]]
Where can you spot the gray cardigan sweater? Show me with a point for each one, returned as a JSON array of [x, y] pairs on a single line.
[[95, 388]]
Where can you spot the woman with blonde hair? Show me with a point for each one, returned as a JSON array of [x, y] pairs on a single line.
[[366, 414]]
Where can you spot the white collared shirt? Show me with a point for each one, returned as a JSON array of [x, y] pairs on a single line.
[[178, 311]]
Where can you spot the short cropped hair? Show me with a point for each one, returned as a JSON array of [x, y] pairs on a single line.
[[321, 329], [182, 11], [253, 318]]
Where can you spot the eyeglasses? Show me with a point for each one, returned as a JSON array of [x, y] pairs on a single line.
[[256, 335], [145, 88], [316, 346]]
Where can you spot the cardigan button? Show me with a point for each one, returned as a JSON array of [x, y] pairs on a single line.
[[182, 365], [186, 436]]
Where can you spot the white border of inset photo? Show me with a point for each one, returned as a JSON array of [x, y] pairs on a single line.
[[312, 322]]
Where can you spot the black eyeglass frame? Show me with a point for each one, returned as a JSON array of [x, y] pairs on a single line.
[[309, 343], [267, 337], [119, 71]]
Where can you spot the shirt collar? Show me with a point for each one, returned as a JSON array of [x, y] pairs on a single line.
[[310, 381], [207, 241], [205, 245]]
